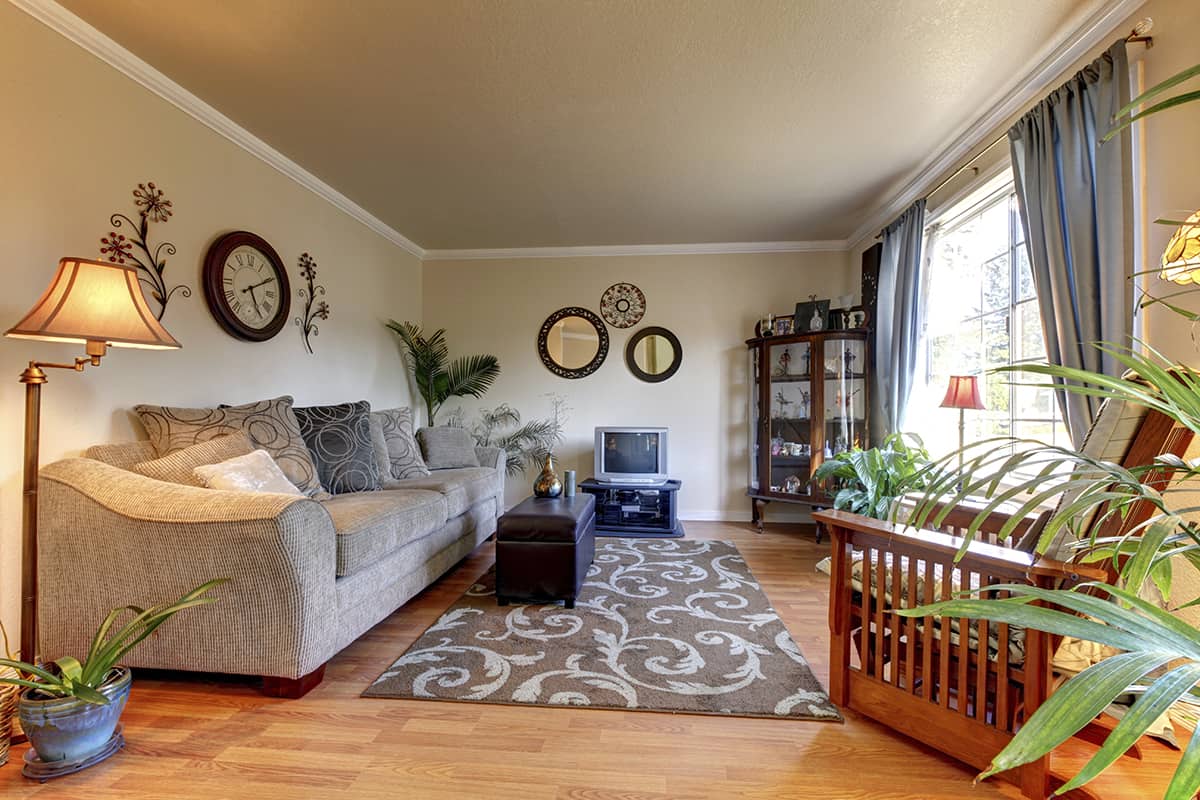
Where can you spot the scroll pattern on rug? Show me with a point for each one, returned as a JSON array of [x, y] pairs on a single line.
[[660, 625]]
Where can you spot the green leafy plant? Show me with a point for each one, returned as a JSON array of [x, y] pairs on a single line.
[[437, 377], [68, 677], [525, 444], [1126, 116], [869, 481]]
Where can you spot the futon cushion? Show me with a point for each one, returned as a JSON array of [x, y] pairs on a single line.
[[339, 439], [270, 424], [462, 488], [447, 448], [178, 467], [400, 448], [254, 472], [371, 525]]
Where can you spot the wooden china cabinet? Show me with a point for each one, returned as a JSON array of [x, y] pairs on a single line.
[[809, 400]]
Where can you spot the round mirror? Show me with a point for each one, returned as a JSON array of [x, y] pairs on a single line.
[[653, 354], [573, 342]]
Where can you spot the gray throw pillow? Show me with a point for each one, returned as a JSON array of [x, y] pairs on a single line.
[[447, 448], [403, 455], [270, 424], [339, 438]]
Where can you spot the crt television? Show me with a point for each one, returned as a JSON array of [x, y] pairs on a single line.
[[631, 455]]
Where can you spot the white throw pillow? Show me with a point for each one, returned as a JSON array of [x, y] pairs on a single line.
[[253, 472]]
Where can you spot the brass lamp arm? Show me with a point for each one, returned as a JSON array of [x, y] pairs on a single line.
[[35, 372]]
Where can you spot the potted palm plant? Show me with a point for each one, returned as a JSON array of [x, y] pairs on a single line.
[[1157, 654], [437, 377], [69, 709]]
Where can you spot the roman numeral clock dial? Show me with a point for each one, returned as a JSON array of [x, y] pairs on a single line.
[[246, 286]]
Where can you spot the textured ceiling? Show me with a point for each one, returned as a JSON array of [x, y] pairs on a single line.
[[474, 124]]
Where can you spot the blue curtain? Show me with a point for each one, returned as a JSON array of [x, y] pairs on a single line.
[[898, 327], [1076, 207]]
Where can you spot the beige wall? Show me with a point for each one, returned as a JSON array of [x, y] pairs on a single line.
[[76, 139], [1171, 159], [710, 302]]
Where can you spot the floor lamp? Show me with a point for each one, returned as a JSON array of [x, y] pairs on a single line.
[[963, 393], [96, 304]]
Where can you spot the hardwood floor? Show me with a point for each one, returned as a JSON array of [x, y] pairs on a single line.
[[202, 736]]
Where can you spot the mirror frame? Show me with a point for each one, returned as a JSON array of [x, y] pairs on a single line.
[[544, 336], [631, 360]]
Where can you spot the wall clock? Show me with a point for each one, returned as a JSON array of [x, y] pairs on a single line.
[[246, 286]]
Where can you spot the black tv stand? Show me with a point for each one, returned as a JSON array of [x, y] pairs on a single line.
[[638, 510]]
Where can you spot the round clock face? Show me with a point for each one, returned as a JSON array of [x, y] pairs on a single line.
[[246, 286]]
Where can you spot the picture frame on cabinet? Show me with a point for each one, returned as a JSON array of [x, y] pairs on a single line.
[[783, 326], [812, 315]]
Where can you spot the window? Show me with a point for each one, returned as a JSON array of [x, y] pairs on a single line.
[[981, 313]]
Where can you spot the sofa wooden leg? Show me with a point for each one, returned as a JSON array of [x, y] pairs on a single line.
[[292, 688]]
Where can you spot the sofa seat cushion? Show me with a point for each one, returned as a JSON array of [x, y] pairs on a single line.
[[462, 488], [370, 525]]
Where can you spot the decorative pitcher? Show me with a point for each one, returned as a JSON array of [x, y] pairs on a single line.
[[547, 483]]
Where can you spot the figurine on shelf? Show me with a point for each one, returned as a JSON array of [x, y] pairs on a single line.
[[804, 398], [785, 359], [807, 360], [850, 357], [776, 446], [839, 445], [783, 404], [792, 484]]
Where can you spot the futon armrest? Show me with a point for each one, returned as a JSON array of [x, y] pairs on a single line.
[[846, 528], [109, 537]]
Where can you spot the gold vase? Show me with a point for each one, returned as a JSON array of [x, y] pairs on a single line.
[[547, 483]]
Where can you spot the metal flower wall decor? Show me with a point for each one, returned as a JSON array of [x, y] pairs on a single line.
[[308, 322], [152, 206]]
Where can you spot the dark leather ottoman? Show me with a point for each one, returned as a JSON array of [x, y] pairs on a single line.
[[544, 546]]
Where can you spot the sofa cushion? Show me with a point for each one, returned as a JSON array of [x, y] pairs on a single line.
[[254, 472], [462, 488], [400, 446], [270, 424], [370, 525], [447, 448], [339, 439], [177, 467]]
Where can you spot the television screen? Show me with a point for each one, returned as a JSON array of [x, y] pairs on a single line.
[[632, 453]]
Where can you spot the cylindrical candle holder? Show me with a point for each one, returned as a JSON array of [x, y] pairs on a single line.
[[569, 483]]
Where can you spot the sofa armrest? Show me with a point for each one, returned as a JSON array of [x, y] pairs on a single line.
[[497, 459], [109, 537]]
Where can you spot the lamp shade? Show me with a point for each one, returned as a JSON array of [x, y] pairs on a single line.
[[94, 301], [1181, 259], [963, 392]]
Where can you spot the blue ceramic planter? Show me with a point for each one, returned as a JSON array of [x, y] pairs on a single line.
[[68, 729]]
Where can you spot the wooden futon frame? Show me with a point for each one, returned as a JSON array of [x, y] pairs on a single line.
[[962, 687]]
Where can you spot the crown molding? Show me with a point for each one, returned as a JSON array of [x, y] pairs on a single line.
[[63, 22], [707, 248], [1056, 57]]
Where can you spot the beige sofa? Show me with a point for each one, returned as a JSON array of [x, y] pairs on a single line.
[[308, 577]]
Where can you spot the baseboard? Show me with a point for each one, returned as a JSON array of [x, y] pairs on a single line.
[[743, 515]]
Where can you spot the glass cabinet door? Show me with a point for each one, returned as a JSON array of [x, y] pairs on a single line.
[[789, 403], [752, 380], [845, 395]]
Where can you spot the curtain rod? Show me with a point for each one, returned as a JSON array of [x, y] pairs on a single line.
[[1138, 34]]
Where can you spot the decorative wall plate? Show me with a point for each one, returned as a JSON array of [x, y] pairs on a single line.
[[623, 305]]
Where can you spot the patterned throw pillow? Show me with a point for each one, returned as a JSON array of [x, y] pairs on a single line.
[[270, 424], [254, 472], [447, 448], [339, 438], [402, 450], [178, 466]]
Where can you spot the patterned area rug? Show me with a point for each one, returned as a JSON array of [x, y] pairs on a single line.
[[678, 625]]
